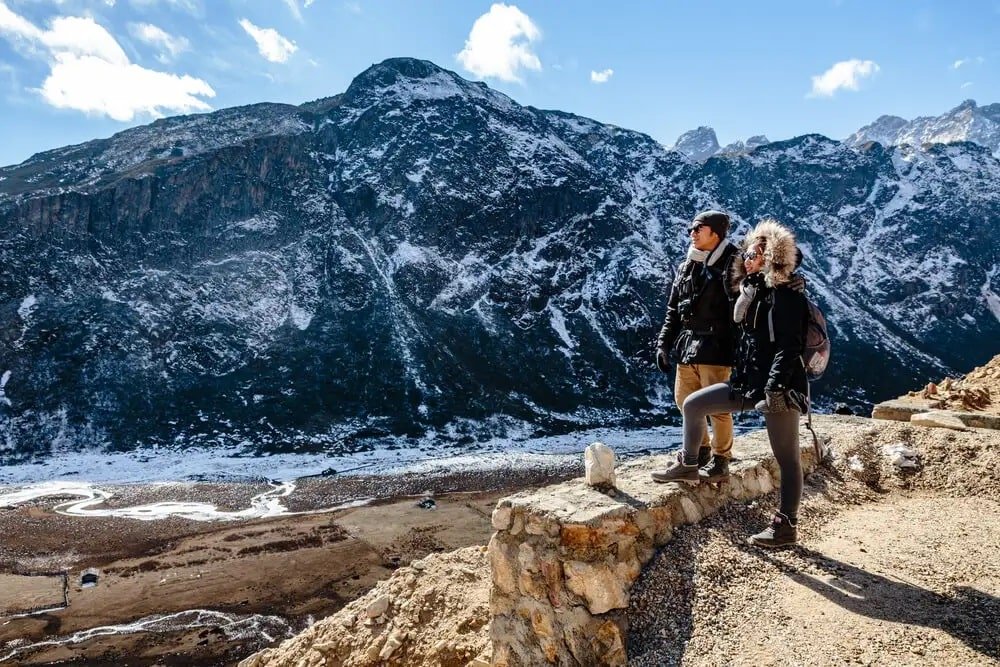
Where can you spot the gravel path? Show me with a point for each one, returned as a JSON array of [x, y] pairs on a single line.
[[901, 578]]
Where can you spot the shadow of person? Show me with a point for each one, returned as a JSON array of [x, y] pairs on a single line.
[[967, 614]]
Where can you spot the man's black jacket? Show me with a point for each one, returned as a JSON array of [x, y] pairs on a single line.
[[698, 327]]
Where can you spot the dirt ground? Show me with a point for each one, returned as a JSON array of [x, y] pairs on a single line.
[[893, 568]]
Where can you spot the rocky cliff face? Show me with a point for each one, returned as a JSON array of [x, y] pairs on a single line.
[[422, 256], [698, 144]]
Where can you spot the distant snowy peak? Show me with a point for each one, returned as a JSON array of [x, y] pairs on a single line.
[[740, 146], [698, 144], [885, 130], [966, 122]]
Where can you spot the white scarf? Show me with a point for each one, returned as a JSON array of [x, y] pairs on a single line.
[[696, 255]]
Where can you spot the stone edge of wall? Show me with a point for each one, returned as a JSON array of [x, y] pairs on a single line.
[[564, 557]]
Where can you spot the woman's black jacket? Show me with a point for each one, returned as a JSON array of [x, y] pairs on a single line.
[[772, 339]]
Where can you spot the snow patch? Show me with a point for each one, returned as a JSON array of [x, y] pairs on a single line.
[[558, 322], [27, 306], [263, 505], [992, 300]]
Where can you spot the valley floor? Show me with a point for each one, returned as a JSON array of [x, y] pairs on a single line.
[[179, 592]]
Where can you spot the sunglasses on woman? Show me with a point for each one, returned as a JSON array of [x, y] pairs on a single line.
[[751, 255]]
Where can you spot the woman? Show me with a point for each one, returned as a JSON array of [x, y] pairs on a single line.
[[771, 313]]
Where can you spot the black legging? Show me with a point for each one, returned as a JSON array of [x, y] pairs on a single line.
[[782, 431]]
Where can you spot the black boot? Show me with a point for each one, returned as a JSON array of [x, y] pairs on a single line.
[[704, 455], [717, 469], [780, 533]]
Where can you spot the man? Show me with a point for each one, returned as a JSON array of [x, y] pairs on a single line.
[[698, 333]]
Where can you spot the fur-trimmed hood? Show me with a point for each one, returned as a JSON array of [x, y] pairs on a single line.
[[779, 253]]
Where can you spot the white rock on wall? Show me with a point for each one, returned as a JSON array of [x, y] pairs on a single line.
[[599, 463]]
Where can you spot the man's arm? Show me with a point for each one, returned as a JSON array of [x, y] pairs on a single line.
[[671, 321]]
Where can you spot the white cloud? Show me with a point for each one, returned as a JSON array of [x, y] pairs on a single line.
[[192, 7], [93, 85], [170, 46], [602, 76], [845, 75], [189, 6], [499, 44], [293, 6], [968, 61], [270, 43], [91, 73], [966, 84], [353, 7]]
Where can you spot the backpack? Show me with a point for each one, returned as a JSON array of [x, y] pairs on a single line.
[[816, 355]]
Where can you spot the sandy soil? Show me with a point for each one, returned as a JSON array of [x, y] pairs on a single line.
[[261, 580]]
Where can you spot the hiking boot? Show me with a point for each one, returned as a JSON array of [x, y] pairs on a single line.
[[780, 533], [704, 456], [678, 472], [716, 471]]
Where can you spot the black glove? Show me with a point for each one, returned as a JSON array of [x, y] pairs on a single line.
[[662, 360], [774, 401]]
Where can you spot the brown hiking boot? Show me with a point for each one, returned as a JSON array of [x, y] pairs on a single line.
[[780, 533], [678, 472]]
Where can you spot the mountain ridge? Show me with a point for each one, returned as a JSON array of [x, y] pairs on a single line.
[[390, 263]]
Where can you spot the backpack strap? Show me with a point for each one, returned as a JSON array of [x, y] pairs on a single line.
[[770, 315]]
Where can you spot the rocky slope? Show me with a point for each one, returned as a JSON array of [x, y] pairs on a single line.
[[391, 261]]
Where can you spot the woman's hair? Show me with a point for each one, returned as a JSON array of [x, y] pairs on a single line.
[[777, 243]]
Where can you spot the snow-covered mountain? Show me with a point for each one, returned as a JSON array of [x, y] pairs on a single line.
[[966, 122], [697, 144], [740, 146], [701, 143], [421, 256]]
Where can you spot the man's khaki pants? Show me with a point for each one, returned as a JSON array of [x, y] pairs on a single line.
[[691, 378]]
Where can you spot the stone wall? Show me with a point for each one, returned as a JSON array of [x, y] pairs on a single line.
[[563, 558]]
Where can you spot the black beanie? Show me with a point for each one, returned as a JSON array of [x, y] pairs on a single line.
[[717, 221]]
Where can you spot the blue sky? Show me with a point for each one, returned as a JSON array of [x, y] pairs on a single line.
[[74, 70]]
